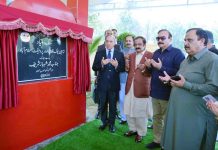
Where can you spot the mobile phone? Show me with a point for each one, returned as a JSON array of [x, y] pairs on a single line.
[[209, 98], [176, 78]]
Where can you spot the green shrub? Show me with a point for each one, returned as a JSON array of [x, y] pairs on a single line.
[[123, 35], [94, 45]]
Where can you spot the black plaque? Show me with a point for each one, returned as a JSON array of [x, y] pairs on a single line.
[[41, 57]]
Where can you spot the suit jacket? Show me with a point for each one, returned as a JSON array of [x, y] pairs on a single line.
[[141, 79], [108, 77], [102, 47]]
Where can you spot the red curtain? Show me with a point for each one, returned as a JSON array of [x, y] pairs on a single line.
[[8, 69], [80, 65]]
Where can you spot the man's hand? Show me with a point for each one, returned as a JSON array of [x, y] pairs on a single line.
[[105, 61], [165, 79], [141, 67], [213, 106], [126, 56], [126, 62], [127, 65], [155, 64], [179, 83], [147, 62], [114, 62]]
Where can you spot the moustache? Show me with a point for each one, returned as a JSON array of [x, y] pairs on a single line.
[[137, 48], [160, 43], [186, 47]]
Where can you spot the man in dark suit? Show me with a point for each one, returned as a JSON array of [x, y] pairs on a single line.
[[109, 63], [100, 48]]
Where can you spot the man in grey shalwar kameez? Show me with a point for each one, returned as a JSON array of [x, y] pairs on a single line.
[[189, 124]]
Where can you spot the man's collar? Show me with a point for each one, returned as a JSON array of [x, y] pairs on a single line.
[[141, 53], [198, 55], [168, 48], [110, 49]]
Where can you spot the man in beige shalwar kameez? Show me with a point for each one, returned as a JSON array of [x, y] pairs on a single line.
[[137, 103]]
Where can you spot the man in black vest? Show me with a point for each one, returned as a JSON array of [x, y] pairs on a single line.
[[109, 63]]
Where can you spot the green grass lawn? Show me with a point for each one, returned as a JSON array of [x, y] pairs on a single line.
[[88, 137]]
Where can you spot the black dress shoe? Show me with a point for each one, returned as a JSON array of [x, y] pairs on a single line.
[[150, 127], [153, 145], [118, 117], [138, 138], [130, 133], [102, 127], [122, 122], [112, 128]]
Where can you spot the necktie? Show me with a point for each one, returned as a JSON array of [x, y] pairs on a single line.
[[109, 54]]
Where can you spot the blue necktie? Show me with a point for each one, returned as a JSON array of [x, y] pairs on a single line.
[[109, 54]]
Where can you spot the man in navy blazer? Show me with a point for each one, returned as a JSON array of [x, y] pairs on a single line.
[[109, 63], [102, 48]]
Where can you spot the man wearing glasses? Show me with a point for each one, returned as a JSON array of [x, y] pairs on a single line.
[[166, 58]]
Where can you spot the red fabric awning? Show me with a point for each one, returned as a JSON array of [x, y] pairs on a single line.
[[12, 18]]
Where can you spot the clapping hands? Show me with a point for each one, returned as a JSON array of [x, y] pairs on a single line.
[[104, 61], [113, 62]]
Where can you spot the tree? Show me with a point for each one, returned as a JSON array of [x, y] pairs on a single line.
[[95, 23], [128, 24]]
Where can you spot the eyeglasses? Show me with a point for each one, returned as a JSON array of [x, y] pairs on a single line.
[[162, 38]]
